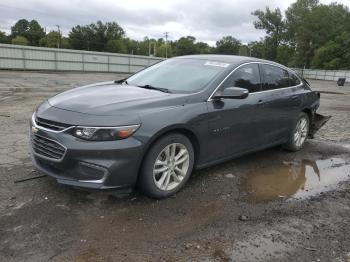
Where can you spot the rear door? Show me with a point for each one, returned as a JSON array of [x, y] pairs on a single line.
[[278, 104]]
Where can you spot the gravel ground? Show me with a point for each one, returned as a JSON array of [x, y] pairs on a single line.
[[268, 206]]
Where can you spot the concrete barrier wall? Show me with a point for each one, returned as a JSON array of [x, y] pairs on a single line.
[[53, 59], [330, 75], [40, 58]]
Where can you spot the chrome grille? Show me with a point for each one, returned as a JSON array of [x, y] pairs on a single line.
[[47, 148], [56, 126]]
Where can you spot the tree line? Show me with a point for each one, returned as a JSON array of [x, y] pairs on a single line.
[[308, 34]]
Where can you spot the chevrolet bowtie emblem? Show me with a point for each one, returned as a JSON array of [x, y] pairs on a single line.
[[34, 130]]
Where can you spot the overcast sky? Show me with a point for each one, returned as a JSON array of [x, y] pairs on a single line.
[[206, 20]]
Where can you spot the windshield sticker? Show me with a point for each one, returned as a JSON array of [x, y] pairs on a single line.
[[211, 63]]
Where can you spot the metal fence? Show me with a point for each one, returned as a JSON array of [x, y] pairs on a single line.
[[39, 58], [331, 75], [53, 59]]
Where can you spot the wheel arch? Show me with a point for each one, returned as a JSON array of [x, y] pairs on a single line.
[[173, 129], [309, 113]]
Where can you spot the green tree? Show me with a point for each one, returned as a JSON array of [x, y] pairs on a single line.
[[284, 53], [311, 25], [138, 47], [257, 49], [102, 33], [20, 28], [80, 37], [95, 36], [274, 26], [35, 33], [32, 31], [116, 46], [186, 46], [20, 40], [161, 50], [228, 45], [243, 50], [144, 46], [65, 43], [335, 54], [132, 46], [52, 39], [4, 39], [203, 48], [296, 15]]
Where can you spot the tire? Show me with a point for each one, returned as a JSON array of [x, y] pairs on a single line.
[[295, 144], [165, 178]]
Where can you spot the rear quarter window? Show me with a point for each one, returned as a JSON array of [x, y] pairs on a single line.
[[293, 79]]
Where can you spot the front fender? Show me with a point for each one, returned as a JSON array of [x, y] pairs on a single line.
[[189, 118]]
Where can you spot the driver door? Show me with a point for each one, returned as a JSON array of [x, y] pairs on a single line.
[[234, 123]]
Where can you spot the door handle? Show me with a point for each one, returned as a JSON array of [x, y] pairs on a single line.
[[294, 97], [260, 102]]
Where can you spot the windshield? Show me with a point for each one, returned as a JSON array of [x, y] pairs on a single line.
[[182, 75]]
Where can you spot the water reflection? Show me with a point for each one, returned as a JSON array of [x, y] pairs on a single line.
[[296, 179]]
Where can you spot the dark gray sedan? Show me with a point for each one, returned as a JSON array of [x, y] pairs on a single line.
[[153, 128]]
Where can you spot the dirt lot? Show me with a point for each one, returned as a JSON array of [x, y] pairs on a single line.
[[269, 206]]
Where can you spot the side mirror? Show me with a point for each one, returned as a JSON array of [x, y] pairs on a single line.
[[232, 93]]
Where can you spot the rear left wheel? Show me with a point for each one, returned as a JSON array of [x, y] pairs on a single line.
[[167, 166], [299, 135]]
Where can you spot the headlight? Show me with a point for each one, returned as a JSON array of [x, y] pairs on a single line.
[[104, 133]]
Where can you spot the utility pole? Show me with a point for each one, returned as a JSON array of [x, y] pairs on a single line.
[[150, 47], [59, 36], [166, 34]]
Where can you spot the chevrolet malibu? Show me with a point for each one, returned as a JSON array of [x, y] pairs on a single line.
[[152, 129]]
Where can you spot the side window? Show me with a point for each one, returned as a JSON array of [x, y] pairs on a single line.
[[246, 76], [293, 79], [274, 77]]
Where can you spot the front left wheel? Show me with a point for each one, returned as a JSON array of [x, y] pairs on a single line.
[[167, 166]]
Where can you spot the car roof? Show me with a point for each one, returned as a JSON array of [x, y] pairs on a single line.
[[231, 59]]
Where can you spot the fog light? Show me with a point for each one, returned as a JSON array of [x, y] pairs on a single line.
[[91, 173]]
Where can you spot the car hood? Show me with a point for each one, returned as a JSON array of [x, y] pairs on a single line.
[[109, 98]]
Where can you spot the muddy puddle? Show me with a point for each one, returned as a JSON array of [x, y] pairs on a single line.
[[296, 180]]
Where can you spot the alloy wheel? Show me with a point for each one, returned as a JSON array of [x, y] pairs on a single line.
[[171, 166], [301, 132]]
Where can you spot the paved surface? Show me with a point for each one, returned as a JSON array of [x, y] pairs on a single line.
[[268, 206]]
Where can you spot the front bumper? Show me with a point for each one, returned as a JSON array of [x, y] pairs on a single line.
[[89, 164]]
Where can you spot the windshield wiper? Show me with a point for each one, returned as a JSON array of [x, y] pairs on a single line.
[[121, 81], [165, 90]]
